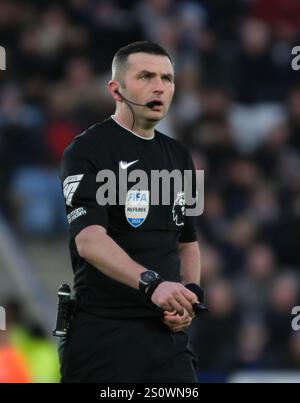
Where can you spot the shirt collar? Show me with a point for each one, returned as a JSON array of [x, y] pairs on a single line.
[[138, 135]]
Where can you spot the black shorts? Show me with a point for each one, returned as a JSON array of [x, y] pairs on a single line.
[[125, 350]]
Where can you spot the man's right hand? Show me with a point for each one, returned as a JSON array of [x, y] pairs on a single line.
[[171, 296]]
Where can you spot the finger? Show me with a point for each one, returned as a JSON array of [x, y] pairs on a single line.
[[176, 326], [181, 326], [190, 296], [173, 320], [167, 307], [184, 303], [170, 312], [184, 317], [192, 316], [177, 320], [187, 303], [180, 321], [177, 306]]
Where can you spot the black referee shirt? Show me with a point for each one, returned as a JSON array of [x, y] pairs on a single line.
[[148, 233]]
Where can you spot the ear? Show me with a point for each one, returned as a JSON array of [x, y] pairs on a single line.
[[113, 87]]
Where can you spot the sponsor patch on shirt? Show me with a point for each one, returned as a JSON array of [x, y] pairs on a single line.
[[75, 214], [70, 186]]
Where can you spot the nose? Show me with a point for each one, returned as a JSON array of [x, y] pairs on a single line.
[[158, 87]]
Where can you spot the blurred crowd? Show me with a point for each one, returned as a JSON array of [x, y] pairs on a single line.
[[26, 352], [237, 108]]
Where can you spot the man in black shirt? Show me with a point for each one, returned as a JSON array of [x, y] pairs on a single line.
[[130, 259]]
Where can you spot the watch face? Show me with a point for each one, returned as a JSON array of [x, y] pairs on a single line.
[[148, 277]]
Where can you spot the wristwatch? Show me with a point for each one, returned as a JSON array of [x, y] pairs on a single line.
[[148, 278]]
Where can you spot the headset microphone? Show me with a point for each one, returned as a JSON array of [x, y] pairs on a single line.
[[148, 104]]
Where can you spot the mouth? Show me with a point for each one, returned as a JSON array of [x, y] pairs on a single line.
[[156, 104]]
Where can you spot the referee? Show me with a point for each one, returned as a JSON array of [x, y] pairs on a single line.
[[131, 260]]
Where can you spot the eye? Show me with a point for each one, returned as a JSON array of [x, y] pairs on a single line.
[[145, 77]]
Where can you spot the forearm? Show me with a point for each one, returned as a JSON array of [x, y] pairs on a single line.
[[190, 262], [100, 250], [96, 247]]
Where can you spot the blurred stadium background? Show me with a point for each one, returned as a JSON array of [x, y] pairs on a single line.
[[237, 107]]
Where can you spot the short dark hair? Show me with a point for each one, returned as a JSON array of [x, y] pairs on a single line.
[[121, 57]]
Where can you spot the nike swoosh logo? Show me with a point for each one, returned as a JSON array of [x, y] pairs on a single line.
[[125, 165]]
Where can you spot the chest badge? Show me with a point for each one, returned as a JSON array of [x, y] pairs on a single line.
[[137, 206]]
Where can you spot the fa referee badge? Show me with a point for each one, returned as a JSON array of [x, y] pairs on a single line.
[[137, 207]]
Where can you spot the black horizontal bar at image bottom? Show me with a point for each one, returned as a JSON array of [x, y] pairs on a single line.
[[90, 392]]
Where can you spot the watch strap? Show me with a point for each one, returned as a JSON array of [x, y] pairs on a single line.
[[152, 287]]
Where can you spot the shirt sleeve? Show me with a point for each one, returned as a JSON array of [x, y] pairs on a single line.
[[78, 178], [188, 232]]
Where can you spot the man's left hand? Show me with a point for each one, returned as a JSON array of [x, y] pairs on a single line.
[[177, 323]]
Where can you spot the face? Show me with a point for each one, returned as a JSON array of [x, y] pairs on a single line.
[[149, 78]]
